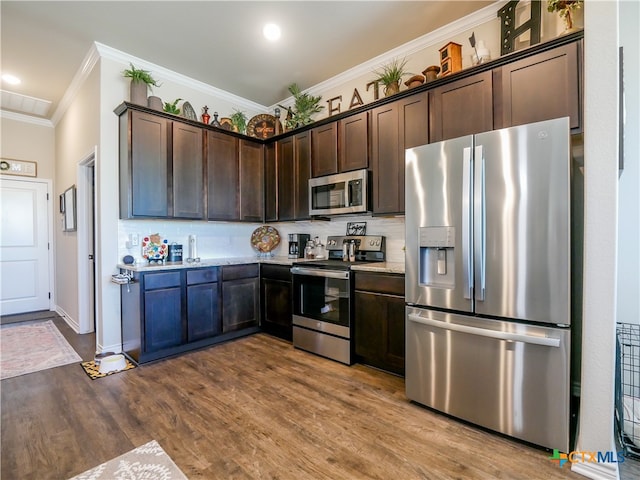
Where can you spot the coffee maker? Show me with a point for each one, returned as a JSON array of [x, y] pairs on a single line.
[[297, 241]]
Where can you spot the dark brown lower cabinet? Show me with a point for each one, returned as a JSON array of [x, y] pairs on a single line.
[[167, 312], [379, 321], [276, 300], [240, 297]]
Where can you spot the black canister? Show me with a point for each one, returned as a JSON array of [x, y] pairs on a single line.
[[175, 253]]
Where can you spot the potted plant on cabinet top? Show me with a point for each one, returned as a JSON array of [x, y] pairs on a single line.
[[141, 82], [304, 106], [172, 107], [390, 75], [239, 121], [564, 8]]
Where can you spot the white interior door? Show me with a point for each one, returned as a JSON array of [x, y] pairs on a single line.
[[24, 249]]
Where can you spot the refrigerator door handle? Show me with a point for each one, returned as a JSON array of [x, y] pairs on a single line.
[[480, 221], [498, 335], [467, 223]]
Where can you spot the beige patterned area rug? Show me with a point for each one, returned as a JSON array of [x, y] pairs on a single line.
[[148, 462], [30, 347]]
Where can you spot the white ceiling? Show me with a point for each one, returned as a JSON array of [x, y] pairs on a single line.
[[219, 43]]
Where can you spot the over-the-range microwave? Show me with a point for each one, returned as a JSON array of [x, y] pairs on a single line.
[[341, 193]]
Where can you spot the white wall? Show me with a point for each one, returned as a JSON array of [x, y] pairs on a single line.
[[24, 138], [629, 187], [601, 191], [76, 135]]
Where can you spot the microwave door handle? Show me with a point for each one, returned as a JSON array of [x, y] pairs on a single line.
[[349, 194]]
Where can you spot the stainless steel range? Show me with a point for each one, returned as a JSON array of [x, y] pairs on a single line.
[[323, 296]]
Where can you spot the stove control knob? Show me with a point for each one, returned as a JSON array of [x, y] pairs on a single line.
[[371, 242], [378, 243]]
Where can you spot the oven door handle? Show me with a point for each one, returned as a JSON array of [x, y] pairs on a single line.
[[318, 272]]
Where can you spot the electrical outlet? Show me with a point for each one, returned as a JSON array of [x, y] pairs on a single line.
[[135, 239]]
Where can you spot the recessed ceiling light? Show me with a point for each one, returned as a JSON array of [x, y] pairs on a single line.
[[11, 79], [271, 32]]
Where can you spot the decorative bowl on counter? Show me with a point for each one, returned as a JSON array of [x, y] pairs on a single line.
[[264, 239]]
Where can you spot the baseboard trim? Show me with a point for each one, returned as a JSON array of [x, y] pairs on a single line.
[[596, 471], [69, 320]]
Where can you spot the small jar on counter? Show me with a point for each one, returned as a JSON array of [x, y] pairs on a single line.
[[310, 250]]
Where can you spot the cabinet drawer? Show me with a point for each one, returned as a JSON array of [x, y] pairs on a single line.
[[234, 272], [202, 275], [276, 272], [380, 282], [161, 280]]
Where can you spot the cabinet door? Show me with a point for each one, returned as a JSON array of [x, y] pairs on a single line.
[[286, 177], [251, 181], [149, 169], [379, 331], [276, 300], [385, 161], [353, 138], [324, 159], [463, 107], [222, 172], [302, 161], [188, 171], [162, 318], [240, 304], [203, 315], [270, 183], [542, 87], [413, 126]]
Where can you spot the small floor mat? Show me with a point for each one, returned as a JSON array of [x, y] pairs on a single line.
[[93, 370]]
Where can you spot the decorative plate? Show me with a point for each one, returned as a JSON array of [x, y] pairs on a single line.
[[188, 111], [265, 238], [263, 126], [226, 123], [154, 248]]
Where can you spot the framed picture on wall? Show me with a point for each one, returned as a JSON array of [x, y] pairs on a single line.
[[68, 209]]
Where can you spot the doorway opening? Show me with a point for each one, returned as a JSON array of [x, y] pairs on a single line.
[[86, 243]]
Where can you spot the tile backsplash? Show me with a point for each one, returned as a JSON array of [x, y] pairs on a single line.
[[232, 239]]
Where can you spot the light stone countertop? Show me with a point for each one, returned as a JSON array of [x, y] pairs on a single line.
[[209, 262], [382, 267]]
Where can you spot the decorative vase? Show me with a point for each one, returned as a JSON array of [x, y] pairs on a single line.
[[391, 89], [215, 121], [431, 73], [205, 115], [138, 93], [154, 102], [414, 81]]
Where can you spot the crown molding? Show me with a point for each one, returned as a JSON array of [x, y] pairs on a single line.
[[86, 67], [166, 74], [20, 117], [428, 40]]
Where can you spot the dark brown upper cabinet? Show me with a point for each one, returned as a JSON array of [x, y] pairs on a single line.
[[394, 127], [188, 171], [324, 157], [223, 174], [251, 181], [540, 87], [462, 107], [353, 142], [270, 183], [161, 168], [294, 171]]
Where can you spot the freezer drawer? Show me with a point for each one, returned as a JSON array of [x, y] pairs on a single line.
[[509, 377]]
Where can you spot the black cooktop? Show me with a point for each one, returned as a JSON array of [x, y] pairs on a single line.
[[332, 264]]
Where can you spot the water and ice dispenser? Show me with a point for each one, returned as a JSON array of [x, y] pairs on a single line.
[[437, 259]]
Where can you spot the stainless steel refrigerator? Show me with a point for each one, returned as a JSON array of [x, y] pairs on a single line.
[[488, 280]]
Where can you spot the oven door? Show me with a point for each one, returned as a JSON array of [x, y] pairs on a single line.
[[321, 300]]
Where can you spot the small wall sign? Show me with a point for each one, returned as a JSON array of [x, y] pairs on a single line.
[[25, 168]]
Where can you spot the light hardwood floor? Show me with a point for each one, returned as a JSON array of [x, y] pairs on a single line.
[[254, 408]]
